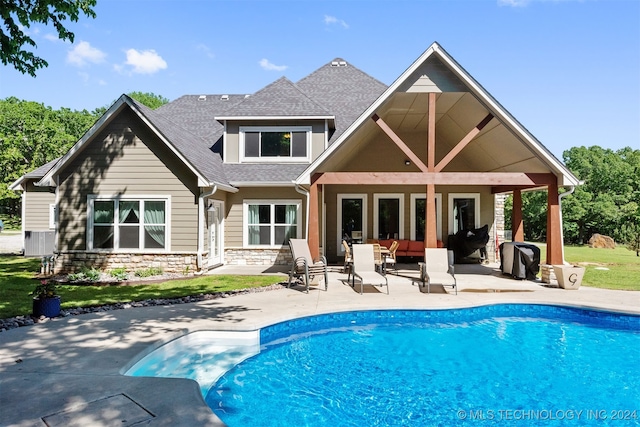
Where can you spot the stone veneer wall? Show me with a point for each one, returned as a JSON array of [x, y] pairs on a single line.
[[170, 263], [239, 256], [500, 225]]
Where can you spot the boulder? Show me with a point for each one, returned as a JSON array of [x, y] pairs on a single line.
[[600, 241]]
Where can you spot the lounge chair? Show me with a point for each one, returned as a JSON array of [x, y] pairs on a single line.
[[364, 268], [437, 269], [304, 265]]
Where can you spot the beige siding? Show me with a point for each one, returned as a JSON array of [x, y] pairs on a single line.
[[127, 159], [233, 219], [37, 201]]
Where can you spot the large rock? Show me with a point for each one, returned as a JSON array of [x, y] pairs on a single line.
[[600, 241]]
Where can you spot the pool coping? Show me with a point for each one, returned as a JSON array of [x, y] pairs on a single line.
[[69, 365]]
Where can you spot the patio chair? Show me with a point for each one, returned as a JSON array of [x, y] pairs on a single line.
[[348, 259], [364, 268], [437, 268], [304, 265], [377, 257], [390, 258]]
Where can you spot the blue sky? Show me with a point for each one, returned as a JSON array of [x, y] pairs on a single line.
[[568, 70]]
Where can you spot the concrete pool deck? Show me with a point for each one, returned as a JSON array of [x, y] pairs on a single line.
[[68, 371]]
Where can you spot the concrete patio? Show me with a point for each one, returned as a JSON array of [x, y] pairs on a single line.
[[68, 371]]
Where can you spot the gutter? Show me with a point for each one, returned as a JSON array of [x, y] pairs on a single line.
[[305, 193], [572, 188], [201, 225]]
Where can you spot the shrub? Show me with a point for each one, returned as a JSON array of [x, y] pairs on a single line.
[[119, 273], [85, 275], [148, 272]]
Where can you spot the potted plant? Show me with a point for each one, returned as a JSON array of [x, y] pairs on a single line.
[[46, 301]]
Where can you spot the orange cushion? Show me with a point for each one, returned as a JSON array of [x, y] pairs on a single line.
[[403, 245], [415, 246]]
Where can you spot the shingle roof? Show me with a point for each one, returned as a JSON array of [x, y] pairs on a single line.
[[267, 173], [280, 98], [42, 170], [342, 89], [195, 149]]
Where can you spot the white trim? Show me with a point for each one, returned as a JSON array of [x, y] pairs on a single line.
[[376, 212], [220, 209], [416, 196], [52, 216], [262, 184], [91, 198], [475, 196], [340, 197], [274, 118], [271, 203], [277, 159]]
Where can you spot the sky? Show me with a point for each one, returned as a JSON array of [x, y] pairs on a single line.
[[568, 70]]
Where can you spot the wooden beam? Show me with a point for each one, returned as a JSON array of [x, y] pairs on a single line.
[[399, 142], [463, 143], [314, 222], [430, 232], [440, 178], [431, 133], [517, 228], [554, 232]]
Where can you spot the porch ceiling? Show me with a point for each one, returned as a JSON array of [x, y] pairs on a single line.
[[494, 149]]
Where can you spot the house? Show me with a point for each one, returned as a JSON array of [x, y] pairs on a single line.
[[208, 180]]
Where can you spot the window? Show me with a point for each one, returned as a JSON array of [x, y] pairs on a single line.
[[418, 216], [352, 209], [275, 143], [388, 216], [271, 223], [127, 223], [52, 216], [464, 212]]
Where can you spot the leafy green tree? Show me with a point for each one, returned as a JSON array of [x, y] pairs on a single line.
[[607, 203], [17, 15], [149, 99], [30, 136]]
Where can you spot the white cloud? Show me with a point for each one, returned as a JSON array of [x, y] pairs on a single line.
[[52, 37], [266, 65], [523, 3], [206, 50], [332, 20], [83, 53], [144, 62]]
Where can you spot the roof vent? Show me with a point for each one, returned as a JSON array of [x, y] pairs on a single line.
[[343, 63], [335, 63], [224, 98], [246, 96], [202, 98]]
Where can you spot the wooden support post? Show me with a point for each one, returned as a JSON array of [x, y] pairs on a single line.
[[517, 228], [314, 222], [554, 233], [430, 232]]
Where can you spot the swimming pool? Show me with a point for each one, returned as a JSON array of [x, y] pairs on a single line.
[[519, 364]]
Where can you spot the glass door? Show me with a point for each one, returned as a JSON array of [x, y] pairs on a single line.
[[352, 220], [215, 213]]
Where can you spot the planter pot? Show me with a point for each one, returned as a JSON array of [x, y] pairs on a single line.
[[569, 276], [48, 307]]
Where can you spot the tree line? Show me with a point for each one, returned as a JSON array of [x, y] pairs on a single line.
[[608, 201]]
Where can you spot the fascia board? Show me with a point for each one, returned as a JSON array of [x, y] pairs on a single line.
[[224, 187], [17, 184]]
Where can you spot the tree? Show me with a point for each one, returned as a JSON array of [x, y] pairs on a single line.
[[19, 14], [149, 99], [30, 136]]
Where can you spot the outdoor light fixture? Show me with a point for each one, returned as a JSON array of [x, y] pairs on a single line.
[[211, 208], [407, 162]]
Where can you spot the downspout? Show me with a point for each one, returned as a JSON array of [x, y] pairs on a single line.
[[305, 193], [201, 225], [572, 188]]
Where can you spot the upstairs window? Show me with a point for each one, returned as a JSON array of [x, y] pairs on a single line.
[[275, 144]]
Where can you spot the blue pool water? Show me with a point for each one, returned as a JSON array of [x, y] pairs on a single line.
[[495, 365]]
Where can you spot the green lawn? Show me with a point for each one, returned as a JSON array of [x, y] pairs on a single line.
[[622, 267], [17, 282]]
